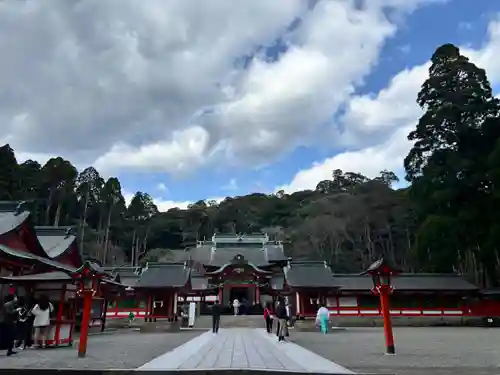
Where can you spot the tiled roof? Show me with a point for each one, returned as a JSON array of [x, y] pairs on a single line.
[[45, 276], [124, 271], [408, 282], [175, 256], [55, 240], [161, 275], [309, 274], [35, 258], [12, 215], [218, 257]]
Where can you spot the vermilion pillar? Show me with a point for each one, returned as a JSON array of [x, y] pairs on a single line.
[[84, 329], [384, 292]]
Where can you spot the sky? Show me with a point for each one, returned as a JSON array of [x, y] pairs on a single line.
[[189, 100]]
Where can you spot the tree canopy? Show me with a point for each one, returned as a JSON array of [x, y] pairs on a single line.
[[445, 220]]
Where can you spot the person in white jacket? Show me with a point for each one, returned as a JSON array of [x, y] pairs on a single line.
[[236, 306], [322, 318], [42, 311]]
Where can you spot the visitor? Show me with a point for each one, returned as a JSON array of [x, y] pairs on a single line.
[[131, 318], [282, 318], [268, 317], [23, 335], [322, 318], [288, 316], [236, 306], [42, 311], [8, 318], [216, 317]]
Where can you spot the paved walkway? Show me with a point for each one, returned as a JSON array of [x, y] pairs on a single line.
[[242, 348]]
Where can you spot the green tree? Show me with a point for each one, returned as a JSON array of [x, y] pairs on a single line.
[[58, 179], [88, 186], [8, 173], [446, 164]]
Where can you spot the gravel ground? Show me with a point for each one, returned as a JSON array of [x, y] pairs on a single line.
[[120, 350], [422, 350]]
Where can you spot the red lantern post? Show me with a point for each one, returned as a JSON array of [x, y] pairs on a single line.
[[88, 282], [381, 273]]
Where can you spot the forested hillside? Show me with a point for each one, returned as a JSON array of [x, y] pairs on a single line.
[[446, 220]]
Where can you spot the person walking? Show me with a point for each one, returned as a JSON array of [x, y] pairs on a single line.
[[282, 318], [322, 318], [268, 317], [42, 311], [236, 306], [22, 333], [216, 308], [8, 318]]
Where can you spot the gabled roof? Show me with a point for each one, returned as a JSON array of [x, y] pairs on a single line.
[[12, 215], [217, 257], [35, 259], [309, 274], [223, 256], [55, 240], [58, 241], [125, 275], [164, 275], [408, 282]]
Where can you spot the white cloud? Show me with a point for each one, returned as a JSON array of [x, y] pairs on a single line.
[[124, 83], [183, 153], [231, 186], [165, 205], [382, 122], [368, 161], [162, 187]]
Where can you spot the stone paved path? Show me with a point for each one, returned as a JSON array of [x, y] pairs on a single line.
[[242, 348]]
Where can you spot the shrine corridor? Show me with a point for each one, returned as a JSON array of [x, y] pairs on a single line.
[[240, 349]]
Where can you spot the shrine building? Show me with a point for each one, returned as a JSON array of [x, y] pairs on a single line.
[[251, 268], [254, 269]]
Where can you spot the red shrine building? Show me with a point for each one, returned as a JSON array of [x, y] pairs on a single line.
[[255, 270], [46, 260], [250, 268]]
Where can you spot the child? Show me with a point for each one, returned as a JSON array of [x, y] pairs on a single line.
[[131, 318]]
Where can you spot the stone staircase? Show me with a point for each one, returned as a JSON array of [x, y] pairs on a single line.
[[230, 321], [204, 322]]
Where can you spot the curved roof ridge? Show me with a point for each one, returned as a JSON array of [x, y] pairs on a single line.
[[12, 215]]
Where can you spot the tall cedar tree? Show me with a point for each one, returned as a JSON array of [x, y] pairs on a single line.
[[446, 164]]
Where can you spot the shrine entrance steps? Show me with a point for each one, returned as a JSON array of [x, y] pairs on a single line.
[[231, 321], [243, 350]]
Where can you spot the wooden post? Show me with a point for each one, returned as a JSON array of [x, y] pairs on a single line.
[[84, 329], [60, 311], [384, 292]]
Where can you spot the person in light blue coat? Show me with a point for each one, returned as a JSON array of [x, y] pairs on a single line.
[[322, 318]]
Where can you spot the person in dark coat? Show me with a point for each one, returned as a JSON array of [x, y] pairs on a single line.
[[282, 317], [216, 309], [24, 325], [8, 318]]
